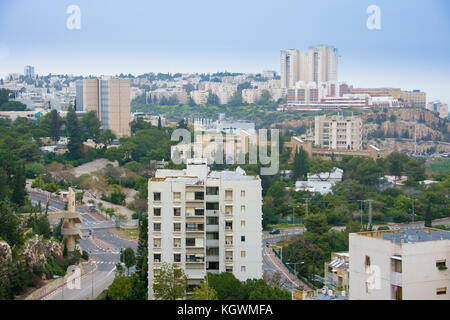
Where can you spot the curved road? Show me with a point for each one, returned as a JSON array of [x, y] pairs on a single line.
[[93, 284]]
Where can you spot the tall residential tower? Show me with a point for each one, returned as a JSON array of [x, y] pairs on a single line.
[[205, 221], [110, 99]]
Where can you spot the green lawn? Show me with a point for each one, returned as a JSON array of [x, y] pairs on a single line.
[[441, 166]]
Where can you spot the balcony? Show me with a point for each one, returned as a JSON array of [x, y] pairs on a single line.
[[228, 244], [212, 228]]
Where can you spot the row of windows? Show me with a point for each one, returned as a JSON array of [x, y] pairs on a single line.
[[198, 195], [197, 212], [197, 226]]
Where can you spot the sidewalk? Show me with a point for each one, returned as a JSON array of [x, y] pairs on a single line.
[[282, 268]]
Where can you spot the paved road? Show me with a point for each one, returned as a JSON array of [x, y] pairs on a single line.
[[106, 261]]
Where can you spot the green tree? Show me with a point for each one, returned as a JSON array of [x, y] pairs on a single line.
[[170, 283], [91, 126], [128, 258], [204, 292], [19, 193], [107, 137], [301, 166], [121, 288], [316, 223], [75, 144], [428, 215], [142, 250]]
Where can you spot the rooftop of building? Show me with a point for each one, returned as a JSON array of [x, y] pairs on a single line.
[[415, 235]]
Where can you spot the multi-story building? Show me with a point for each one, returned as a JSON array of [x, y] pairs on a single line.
[[439, 107], [28, 72], [205, 221], [338, 132], [410, 264], [414, 98], [110, 99], [319, 64], [199, 96]]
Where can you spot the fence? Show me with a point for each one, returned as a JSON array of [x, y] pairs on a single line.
[[299, 277], [131, 223]]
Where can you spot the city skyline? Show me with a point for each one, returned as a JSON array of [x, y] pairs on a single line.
[[200, 38]]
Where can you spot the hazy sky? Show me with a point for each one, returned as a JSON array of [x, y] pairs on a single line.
[[411, 51]]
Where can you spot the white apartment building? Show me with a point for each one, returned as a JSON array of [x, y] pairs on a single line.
[[338, 132], [205, 221], [319, 64], [408, 264], [200, 96]]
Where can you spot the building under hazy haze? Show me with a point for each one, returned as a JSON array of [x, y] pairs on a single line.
[[319, 64], [110, 99]]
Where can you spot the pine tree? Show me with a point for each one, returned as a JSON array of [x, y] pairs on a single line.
[[19, 193], [55, 125], [142, 250], [159, 123], [75, 144], [428, 216]]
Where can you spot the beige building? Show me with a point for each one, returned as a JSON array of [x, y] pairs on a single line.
[[338, 132], [319, 64], [337, 271], [205, 221], [414, 98], [439, 107], [409, 264], [215, 147], [110, 99]]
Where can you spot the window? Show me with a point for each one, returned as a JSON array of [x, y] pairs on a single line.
[[441, 291], [397, 265], [199, 196], [242, 209], [212, 206], [157, 227], [229, 210], [157, 243], [213, 265], [228, 225], [176, 242], [228, 194], [243, 269], [157, 257], [212, 251], [367, 262], [212, 220], [242, 193], [157, 212], [242, 254], [242, 238], [156, 196], [199, 212], [177, 227], [228, 269], [441, 264], [212, 191], [177, 257], [212, 236], [177, 196], [176, 212], [190, 242], [242, 223]]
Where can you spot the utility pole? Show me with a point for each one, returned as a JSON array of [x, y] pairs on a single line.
[[370, 215]]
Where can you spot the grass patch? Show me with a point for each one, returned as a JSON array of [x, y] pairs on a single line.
[[441, 166], [131, 233], [284, 226]]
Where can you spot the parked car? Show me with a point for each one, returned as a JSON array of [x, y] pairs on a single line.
[[275, 231]]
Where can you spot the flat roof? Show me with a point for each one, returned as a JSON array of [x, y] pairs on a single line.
[[412, 235]]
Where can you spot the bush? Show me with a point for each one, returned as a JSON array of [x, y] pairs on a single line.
[[85, 255]]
